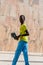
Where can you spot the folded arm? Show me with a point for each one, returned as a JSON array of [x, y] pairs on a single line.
[[27, 34]]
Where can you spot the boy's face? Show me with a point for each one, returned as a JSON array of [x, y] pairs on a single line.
[[22, 19]]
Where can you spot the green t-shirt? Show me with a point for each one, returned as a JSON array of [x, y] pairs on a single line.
[[22, 31]]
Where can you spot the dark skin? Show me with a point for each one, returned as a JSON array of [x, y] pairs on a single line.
[[22, 19]]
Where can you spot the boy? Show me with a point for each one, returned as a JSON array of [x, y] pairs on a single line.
[[23, 43]]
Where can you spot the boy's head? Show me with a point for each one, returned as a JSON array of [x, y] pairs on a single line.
[[22, 19]]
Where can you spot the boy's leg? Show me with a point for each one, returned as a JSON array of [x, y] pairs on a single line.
[[17, 53], [25, 53]]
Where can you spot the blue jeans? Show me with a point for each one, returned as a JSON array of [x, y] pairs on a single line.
[[22, 46]]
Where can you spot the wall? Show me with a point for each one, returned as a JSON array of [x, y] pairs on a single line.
[[10, 10]]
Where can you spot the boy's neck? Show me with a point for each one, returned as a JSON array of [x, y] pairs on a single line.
[[22, 23]]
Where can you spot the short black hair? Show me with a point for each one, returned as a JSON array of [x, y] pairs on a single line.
[[22, 17]]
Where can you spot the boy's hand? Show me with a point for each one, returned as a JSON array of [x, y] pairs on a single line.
[[18, 36], [14, 36]]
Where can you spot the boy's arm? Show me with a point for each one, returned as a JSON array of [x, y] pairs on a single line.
[[27, 34]]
